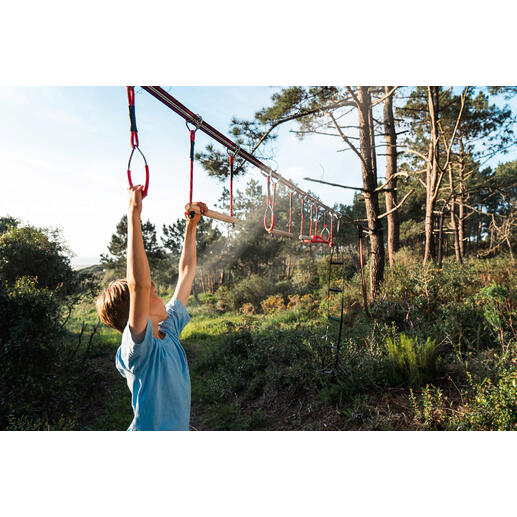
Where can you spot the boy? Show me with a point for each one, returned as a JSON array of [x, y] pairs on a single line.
[[150, 356]]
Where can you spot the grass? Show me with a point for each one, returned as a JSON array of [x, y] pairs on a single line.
[[435, 356]]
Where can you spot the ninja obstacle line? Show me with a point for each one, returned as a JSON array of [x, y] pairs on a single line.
[[234, 150], [199, 123]]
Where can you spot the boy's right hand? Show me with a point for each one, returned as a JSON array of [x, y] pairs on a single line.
[[135, 200]]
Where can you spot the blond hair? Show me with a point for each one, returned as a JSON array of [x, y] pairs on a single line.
[[113, 305]]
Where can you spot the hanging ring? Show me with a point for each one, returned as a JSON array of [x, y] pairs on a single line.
[[130, 181]]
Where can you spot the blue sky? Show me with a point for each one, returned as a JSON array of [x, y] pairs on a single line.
[[65, 152]]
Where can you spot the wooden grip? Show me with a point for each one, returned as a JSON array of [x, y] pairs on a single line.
[[280, 232], [210, 213]]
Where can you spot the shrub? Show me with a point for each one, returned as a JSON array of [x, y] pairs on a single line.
[[37, 253], [273, 304], [247, 308], [498, 306], [410, 362], [44, 383], [252, 290], [492, 405]]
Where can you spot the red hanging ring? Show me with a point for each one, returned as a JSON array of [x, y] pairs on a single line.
[[325, 229], [231, 158], [134, 140], [316, 220], [270, 206], [146, 186]]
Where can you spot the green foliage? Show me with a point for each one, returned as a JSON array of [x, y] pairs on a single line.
[[38, 253], [492, 406], [115, 259], [250, 290], [410, 362], [499, 305], [7, 223], [43, 382]]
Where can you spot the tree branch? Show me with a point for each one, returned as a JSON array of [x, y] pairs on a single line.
[[345, 138], [398, 206]]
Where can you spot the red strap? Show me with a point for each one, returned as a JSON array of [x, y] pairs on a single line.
[[231, 184], [301, 223], [318, 239], [192, 144], [290, 210], [134, 140], [331, 242]]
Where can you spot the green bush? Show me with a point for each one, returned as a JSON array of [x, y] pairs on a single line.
[[491, 406], [44, 383], [410, 362], [37, 253], [252, 290]]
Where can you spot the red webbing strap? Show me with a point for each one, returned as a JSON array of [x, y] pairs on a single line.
[[134, 141], [331, 242], [231, 156], [192, 144], [361, 263], [301, 222], [290, 210], [270, 206], [132, 118]]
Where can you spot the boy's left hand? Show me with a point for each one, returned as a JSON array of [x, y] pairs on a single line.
[[202, 207]]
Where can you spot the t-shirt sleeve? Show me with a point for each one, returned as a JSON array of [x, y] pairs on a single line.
[[135, 354], [177, 318]]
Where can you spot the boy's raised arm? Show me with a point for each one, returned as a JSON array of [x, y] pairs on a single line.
[[138, 272], [187, 265]]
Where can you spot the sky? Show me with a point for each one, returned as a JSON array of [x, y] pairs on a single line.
[[65, 152]]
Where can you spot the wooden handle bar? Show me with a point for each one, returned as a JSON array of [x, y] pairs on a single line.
[[211, 214], [280, 232], [305, 237]]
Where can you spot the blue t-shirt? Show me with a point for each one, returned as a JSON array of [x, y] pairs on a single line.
[[157, 374]]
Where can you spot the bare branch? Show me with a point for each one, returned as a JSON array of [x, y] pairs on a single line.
[[382, 99], [346, 139], [398, 206], [297, 116]]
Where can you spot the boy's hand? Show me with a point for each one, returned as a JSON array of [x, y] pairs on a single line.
[[197, 216], [135, 199]]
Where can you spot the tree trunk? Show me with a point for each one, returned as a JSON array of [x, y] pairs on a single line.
[[453, 216], [440, 237], [431, 171], [370, 184], [391, 170], [461, 200]]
